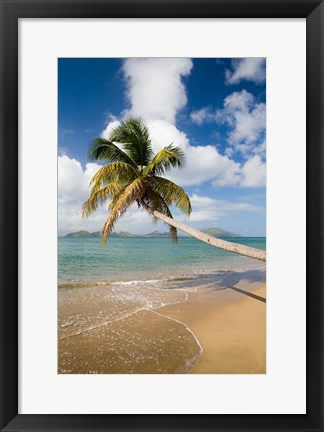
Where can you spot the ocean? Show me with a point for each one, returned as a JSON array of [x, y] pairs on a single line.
[[105, 295], [127, 259]]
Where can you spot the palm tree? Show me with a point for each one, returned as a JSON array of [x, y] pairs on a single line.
[[134, 174]]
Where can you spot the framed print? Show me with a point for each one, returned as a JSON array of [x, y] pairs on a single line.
[[137, 315], [161, 174]]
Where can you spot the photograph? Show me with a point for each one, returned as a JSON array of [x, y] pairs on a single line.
[[161, 215], [176, 281]]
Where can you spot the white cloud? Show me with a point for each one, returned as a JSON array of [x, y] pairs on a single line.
[[155, 87], [135, 221], [254, 173], [163, 133], [207, 211], [248, 69], [246, 120], [73, 181], [156, 93], [260, 149], [229, 151], [203, 115], [74, 190], [203, 163], [109, 128]]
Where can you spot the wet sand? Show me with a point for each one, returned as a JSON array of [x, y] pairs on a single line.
[[230, 324], [99, 333], [219, 329]]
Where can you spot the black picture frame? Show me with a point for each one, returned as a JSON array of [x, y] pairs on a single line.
[[11, 12]]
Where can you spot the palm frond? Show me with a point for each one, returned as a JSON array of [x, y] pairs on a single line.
[[99, 196], [165, 159], [106, 151], [171, 193], [132, 174], [113, 171], [115, 198], [134, 191], [133, 134]]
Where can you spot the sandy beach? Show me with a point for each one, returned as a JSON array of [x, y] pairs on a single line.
[[218, 328], [230, 324]]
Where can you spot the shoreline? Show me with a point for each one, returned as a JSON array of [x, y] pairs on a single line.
[[219, 327], [230, 324]]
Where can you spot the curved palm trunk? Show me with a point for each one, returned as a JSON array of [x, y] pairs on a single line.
[[248, 251]]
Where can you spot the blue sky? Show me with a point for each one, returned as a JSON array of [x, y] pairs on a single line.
[[215, 109]]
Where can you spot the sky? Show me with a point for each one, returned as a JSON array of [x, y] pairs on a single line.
[[214, 109]]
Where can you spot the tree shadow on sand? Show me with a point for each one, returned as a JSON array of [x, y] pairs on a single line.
[[251, 276]]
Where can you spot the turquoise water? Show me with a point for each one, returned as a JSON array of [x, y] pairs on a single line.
[[134, 259], [106, 295]]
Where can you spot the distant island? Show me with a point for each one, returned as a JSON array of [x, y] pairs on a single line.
[[215, 232], [82, 234]]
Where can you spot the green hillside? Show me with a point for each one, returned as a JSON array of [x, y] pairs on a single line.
[[87, 234], [157, 234], [218, 232], [82, 234], [215, 232]]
